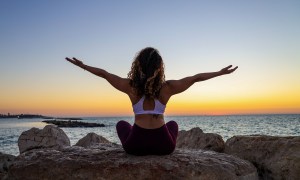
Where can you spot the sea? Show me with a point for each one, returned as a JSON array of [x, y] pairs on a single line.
[[226, 126]]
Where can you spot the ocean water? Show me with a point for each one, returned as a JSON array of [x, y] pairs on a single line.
[[226, 126]]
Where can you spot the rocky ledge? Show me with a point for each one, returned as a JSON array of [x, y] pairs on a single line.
[[109, 161]]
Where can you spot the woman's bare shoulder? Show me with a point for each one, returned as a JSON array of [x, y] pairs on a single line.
[[164, 94], [166, 86]]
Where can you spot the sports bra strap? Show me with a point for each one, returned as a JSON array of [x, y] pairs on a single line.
[[159, 108]]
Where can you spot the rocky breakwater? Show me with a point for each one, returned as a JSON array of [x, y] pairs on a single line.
[[105, 160], [274, 157], [71, 124]]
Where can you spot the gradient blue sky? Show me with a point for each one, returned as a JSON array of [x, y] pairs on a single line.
[[261, 37]]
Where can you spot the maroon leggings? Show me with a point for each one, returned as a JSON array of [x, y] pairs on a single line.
[[139, 141]]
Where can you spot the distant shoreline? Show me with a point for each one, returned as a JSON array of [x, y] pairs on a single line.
[[33, 116]]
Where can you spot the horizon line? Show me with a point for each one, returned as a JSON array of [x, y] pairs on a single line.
[[191, 115]]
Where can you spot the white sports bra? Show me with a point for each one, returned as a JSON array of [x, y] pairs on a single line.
[[159, 108]]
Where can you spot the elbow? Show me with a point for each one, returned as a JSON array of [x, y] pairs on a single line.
[[102, 73]]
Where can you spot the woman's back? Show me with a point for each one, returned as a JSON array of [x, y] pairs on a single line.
[[149, 112]]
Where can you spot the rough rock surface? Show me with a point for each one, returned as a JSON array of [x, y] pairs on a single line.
[[49, 137], [274, 157], [196, 139], [108, 161], [91, 139], [5, 162]]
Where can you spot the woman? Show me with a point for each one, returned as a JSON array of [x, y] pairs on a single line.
[[149, 94]]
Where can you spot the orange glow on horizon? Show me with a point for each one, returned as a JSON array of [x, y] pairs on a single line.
[[88, 101], [119, 105]]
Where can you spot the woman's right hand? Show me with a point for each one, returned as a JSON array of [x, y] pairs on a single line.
[[76, 62], [227, 70]]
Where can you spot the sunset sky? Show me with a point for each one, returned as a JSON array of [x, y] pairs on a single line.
[[261, 37]]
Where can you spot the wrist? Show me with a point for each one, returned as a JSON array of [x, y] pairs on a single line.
[[220, 73], [83, 66]]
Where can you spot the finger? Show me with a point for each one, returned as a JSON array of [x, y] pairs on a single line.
[[232, 70], [68, 59], [228, 66], [77, 60], [74, 59]]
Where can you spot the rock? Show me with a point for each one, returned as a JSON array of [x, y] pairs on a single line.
[[196, 139], [109, 161], [70, 123], [49, 137], [91, 139], [5, 162], [274, 157]]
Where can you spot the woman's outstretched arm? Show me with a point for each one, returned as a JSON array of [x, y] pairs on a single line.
[[178, 86], [122, 84]]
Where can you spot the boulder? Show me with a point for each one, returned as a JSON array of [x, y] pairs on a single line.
[[5, 162], [109, 161], [196, 139], [274, 157], [91, 139], [49, 137]]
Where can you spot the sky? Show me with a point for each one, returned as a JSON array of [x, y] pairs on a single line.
[[261, 37]]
